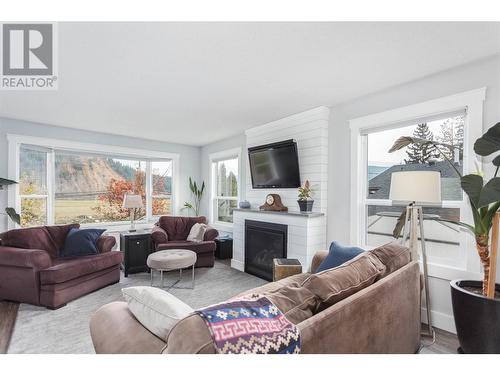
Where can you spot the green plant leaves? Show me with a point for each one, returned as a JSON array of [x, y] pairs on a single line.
[[402, 142], [489, 142], [490, 192], [4, 181], [472, 184], [197, 195], [479, 195], [14, 216]]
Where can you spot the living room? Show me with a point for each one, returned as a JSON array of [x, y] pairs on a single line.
[[249, 187]]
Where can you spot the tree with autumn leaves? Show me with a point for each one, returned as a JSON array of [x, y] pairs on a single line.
[[110, 204]]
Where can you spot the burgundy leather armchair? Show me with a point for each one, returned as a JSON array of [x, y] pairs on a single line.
[[32, 272], [171, 232]]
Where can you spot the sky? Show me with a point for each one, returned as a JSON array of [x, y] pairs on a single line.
[[231, 166], [379, 144]]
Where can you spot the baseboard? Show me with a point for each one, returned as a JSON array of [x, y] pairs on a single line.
[[439, 320], [240, 266]]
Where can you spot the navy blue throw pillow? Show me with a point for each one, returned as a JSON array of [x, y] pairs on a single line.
[[80, 242], [338, 255]]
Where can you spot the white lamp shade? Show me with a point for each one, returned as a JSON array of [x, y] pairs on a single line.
[[132, 201], [422, 187]]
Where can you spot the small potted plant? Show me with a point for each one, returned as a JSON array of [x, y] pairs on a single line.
[[197, 194], [305, 202]]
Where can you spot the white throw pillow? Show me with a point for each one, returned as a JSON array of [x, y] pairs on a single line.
[[197, 232], [156, 309]]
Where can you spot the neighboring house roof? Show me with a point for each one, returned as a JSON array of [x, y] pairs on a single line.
[[379, 186]]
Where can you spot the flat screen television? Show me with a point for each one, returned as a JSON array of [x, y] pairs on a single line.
[[275, 165]]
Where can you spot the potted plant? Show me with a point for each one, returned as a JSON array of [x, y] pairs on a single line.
[[476, 304], [305, 202], [197, 194], [9, 211]]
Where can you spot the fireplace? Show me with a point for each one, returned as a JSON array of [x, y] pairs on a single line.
[[264, 242]]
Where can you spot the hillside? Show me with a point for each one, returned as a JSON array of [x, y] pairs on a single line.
[[81, 174], [84, 176]]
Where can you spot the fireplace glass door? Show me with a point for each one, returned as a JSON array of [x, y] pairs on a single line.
[[264, 242]]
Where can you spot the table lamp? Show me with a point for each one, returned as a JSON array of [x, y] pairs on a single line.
[[415, 189], [132, 202]]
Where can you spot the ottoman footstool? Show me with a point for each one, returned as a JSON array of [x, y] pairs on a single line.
[[170, 260]]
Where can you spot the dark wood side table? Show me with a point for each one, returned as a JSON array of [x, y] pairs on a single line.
[[224, 248], [283, 267], [136, 246]]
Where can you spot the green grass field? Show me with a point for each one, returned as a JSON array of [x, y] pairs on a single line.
[[67, 210]]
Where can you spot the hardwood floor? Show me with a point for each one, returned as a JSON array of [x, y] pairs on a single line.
[[8, 314], [446, 343]]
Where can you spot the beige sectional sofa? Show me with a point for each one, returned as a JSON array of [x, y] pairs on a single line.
[[357, 312]]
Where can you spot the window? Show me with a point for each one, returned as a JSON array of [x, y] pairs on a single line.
[[455, 122], [33, 186], [90, 188], [441, 238], [225, 188], [162, 187], [59, 186]]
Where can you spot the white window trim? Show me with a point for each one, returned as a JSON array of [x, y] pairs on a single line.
[[15, 141], [216, 156], [472, 102]]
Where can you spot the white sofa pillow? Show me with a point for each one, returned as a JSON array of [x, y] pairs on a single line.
[[197, 232], [155, 309]]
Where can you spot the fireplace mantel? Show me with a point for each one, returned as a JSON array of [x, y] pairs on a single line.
[[292, 213]]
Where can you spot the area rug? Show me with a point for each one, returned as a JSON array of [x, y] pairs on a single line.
[[66, 330]]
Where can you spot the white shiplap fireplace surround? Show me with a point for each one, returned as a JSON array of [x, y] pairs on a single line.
[[306, 233]]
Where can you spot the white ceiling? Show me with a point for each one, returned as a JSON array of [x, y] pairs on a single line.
[[195, 83]]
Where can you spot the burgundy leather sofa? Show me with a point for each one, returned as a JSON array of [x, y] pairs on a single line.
[[32, 272], [171, 232]]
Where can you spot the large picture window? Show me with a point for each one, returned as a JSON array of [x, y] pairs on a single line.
[[381, 216], [225, 188], [454, 121], [59, 186]]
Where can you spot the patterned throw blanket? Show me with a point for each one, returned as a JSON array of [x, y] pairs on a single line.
[[250, 326]]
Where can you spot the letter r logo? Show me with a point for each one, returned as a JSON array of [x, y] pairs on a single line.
[[27, 49]]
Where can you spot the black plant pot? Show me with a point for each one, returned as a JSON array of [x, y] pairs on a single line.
[[306, 206], [477, 318]]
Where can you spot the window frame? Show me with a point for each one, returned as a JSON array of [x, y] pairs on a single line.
[[213, 159], [472, 103], [150, 192], [14, 199]]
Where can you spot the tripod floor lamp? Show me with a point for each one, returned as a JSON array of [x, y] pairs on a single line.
[[416, 189]]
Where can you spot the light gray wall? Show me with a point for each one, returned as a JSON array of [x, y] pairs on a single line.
[[485, 73], [189, 155]]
